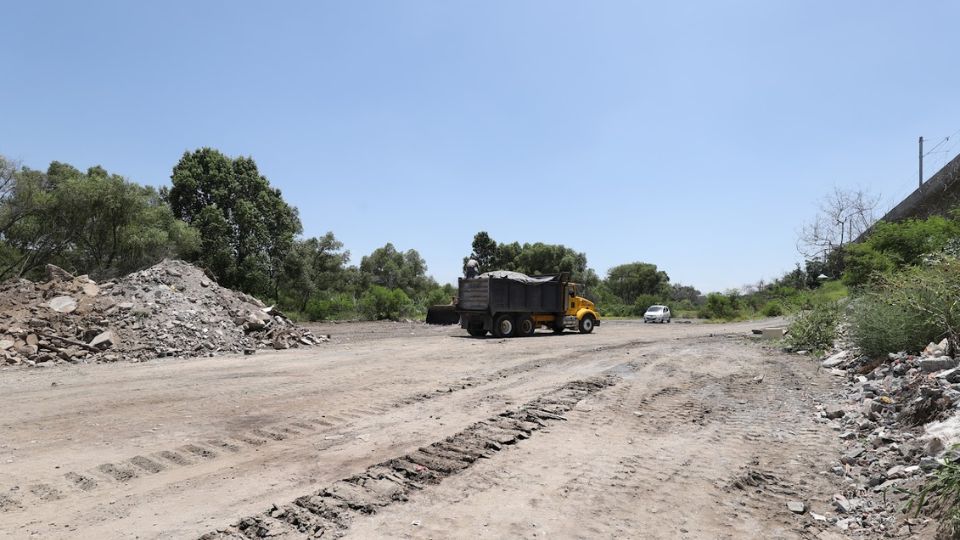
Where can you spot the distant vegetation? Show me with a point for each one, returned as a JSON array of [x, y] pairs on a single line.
[[903, 280], [626, 291], [219, 213], [222, 214]]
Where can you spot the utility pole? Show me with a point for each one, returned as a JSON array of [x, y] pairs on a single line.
[[921, 161]]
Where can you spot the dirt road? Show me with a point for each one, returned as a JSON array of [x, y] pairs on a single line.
[[667, 431]]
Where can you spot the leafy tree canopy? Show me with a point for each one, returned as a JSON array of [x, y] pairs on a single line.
[[532, 259], [628, 281], [393, 269], [93, 223], [246, 227]]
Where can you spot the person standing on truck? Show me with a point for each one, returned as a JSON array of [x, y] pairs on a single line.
[[472, 268]]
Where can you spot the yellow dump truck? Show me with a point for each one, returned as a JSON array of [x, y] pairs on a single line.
[[510, 304]]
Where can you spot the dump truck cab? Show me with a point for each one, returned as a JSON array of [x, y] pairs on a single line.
[[584, 311], [510, 304]]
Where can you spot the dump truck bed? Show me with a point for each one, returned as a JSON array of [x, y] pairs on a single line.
[[500, 295]]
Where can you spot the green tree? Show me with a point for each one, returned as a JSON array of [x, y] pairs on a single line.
[[246, 227], [93, 223], [532, 259], [393, 269], [628, 281], [685, 293], [485, 250], [314, 265]]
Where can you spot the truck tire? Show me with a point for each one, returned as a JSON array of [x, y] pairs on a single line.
[[586, 324], [525, 326], [557, 328], [477, 332], [504, 326]]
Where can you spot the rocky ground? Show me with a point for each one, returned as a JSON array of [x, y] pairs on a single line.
[[897, 418], [170, 309]]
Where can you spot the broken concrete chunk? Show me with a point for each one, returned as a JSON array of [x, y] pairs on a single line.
[[55, 273], [836, 359], [833, 411], [62, 304], [105, 340], [934, 447], [842, 504], [797, 507], [773, 333], [930, 365], [951, 375], [90, 289]]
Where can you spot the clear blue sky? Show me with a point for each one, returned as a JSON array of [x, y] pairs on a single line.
[[696, 136]]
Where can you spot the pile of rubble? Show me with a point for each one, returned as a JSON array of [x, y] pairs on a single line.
[[170, 309], [898, 419]]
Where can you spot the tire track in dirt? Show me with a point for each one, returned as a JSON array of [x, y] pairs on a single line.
[[330, 510], [711, 447], [138, 467]]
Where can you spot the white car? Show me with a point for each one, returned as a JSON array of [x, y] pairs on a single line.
[[657, 314]]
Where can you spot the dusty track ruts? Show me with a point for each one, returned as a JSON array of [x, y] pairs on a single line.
[[329, 511], [185, 447]]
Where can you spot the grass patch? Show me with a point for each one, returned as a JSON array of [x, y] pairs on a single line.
[[941, 495]]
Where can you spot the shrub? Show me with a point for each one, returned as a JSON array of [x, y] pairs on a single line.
[[381, 303], [878, 327], [863, 263], [910, 308], [814, 330], [720, 306], [337, 306], [940, 495], [772, 309]]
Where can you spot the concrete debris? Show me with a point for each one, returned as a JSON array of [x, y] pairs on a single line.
[[897, 419], [771, 334], [104, 340], [169, 309], [796, 507], [833, 411], [939, 363], [63, 304], [836, 359]]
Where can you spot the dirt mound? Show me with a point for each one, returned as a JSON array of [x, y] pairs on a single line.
[[169, 309]]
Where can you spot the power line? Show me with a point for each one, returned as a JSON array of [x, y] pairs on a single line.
[[945, 139]]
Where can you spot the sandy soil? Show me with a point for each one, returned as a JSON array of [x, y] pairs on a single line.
[[700, 434]]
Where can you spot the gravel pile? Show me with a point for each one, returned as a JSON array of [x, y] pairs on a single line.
[[170, 309]]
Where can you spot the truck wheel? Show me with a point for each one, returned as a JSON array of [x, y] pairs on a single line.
[[525, 326], [586, 324], [557, 328], [477, 332], [503, 326]]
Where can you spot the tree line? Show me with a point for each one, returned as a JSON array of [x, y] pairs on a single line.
[[626, 290], [223, 215]]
